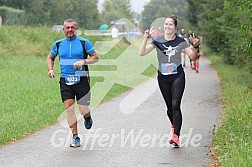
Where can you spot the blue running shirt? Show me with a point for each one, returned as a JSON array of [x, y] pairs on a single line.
[[69, 52]]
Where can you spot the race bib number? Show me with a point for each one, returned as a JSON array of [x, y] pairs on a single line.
[[169, 68], [72, 79]]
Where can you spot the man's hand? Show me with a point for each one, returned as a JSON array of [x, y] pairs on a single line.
[[79, 64], [51, 73]]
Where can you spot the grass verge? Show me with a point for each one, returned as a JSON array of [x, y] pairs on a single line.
[[232, 143], [29, 100]]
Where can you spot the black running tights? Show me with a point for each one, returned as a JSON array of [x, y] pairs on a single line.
[[172, 92]]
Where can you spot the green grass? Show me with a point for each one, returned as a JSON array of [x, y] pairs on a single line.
[[19, 40], [232, 143], [30, 41], [31, 101]]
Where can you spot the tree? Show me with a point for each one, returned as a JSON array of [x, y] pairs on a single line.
[[245, 7], [194, 11], [18, 4], [49, 12], [84, 11], [209, 24], [226, 28], [117, 9], [163, 8], [38, 12]]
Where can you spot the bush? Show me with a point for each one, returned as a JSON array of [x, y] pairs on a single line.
[[11, 16]]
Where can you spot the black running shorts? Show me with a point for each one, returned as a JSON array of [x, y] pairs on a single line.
[[80, 91]]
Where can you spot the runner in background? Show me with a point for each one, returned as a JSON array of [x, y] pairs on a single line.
[[182, 35], [194, 63]]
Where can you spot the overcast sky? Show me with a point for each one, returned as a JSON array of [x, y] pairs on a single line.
[[137, 5]]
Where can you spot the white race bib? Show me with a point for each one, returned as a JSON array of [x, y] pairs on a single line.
[[72, 79], [169, 68]]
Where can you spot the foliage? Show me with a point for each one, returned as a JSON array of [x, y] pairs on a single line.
[[19, 4], [246, 42], [116, 10], [226, 28], [85, 12], [163, 8], [52, 12], [232, 142], [11, 16]]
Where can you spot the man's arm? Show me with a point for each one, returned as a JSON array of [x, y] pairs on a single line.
[[91, 60], [50, 62]]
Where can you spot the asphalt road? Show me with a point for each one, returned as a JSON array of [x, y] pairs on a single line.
[[138, 137]]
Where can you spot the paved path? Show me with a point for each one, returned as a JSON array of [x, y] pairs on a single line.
[[136, 139]]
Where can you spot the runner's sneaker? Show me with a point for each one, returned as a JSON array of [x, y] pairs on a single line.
[[76, 142], [174, 140], [88, 122]]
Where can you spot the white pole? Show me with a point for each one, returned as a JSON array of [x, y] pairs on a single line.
[[1, 21]]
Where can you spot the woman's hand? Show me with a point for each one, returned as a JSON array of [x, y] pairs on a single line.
[[195, 41], [148, 33]]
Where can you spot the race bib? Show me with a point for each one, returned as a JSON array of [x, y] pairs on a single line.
[[72, 79], [169, 68]]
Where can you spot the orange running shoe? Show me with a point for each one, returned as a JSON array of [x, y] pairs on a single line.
[[174, 140]]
